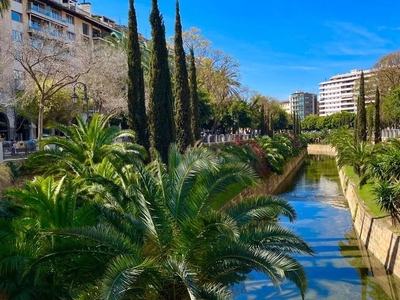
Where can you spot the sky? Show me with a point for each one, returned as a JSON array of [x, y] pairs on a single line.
[[282, 46]]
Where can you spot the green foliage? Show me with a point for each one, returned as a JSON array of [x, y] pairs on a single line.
[[15, 169], [148, 232], [388, 198], [249, 152], [334, 121], [316, 137], [279, 149], [391, 108], [83, 147]]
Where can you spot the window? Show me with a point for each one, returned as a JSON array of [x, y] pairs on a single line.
[[70, 36], [16, 36], [16, 16], [56, 15], [85, 29], [70, 19], [18, 74]]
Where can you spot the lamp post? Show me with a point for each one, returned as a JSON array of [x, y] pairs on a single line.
[[85, 99]]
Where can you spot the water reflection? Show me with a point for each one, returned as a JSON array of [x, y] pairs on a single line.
[[341, 269]]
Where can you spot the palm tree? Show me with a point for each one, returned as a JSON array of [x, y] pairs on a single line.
[[44, 205], [83, 146], [386, 165], [359, 156], [174, 232], [4, 6]]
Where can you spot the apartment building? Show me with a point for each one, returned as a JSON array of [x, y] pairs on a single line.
[[303, 103], [63, 19], [285, 105], [340, 92]]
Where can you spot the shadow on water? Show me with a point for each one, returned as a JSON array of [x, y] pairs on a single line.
[[341, 268]]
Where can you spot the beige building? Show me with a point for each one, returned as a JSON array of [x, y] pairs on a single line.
[[285, 105], [65, 19], [340, 93]]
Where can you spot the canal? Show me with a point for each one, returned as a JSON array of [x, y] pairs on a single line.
[[341, 267]]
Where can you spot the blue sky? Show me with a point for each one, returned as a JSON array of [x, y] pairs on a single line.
[[281, 45]]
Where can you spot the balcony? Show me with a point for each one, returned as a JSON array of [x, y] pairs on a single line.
[[36, 27], [47, 14]]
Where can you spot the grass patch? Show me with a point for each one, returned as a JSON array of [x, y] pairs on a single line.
[[365, 192]]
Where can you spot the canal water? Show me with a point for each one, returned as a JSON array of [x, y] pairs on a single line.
[[341, 267]]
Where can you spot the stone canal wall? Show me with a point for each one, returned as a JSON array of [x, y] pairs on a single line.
[[375, 233], [315, 149]]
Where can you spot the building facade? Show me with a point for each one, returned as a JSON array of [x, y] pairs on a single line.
[[285, 105], [63, 19], [304, 104], [340, 92]]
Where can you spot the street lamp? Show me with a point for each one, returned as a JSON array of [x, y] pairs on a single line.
[[85, 99]]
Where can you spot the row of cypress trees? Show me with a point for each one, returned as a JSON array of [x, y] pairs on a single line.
[[171, 117]]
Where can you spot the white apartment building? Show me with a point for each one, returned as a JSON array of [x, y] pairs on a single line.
[[63, 19], [340, 93]]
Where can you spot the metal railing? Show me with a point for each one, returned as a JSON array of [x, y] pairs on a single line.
[[15, 150], [224, 138], [390, 134]]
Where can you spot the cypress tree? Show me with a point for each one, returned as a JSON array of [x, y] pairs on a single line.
[[355, 136], [294, 123], [136, 95], [194, 97], [377, 123], [184, 135], [361, 112], [263, 127], [161, 120], [270, 129]]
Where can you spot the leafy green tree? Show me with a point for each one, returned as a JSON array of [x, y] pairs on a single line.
[[183, 113], [136, 91], [310, 122], [194, 97], [387, 73], [377, 117], [361, 113], [279, 119], [161, 119], [391, 108]]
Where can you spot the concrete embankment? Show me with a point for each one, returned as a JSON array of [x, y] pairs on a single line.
[[375, 233]]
